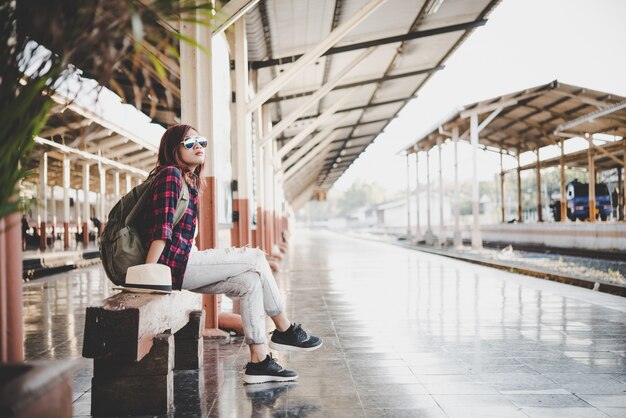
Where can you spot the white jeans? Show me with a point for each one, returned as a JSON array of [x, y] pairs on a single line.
[[239, 273]]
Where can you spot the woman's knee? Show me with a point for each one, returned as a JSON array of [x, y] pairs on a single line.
[[250, 282]]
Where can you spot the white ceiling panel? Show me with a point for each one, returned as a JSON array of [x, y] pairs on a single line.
[[298, 25], [392, 18]]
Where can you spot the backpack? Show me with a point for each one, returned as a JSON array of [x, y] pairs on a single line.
[[120, 245]]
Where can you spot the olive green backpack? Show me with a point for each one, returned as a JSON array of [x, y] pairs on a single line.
[[120, 245]]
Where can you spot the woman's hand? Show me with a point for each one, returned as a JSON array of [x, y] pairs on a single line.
[[155, 250]]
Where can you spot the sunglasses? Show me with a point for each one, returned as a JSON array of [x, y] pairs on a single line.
[[190, 141]]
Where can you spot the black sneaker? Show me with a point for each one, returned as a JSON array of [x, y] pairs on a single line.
[[267, 371], [294, 339]]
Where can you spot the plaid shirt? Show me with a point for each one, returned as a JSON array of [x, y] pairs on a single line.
[[157, 224]]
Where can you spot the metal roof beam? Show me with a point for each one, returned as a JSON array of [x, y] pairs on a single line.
[[354, 137], [590, 117], [367, 106], [232, 11], [390, 40], [316, 154], [358, 83], [89, 156], [335, 36], [327, 115], [316, 97], [292, 159], [116, 152], [138, 157], [62, 129]]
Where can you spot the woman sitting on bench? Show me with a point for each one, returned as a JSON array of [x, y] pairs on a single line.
[[236, 272]]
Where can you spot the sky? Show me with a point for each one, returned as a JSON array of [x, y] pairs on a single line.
[[525, 43]]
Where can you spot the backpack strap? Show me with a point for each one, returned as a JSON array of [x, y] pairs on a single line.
[[183, 202], [181, 205]]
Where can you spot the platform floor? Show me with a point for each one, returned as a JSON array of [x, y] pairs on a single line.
[[406, 334]]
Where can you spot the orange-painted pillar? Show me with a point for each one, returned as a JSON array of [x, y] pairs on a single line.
[[196, 81], [11, 328]]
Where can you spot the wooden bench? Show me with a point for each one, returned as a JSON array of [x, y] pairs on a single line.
[[136, 341]]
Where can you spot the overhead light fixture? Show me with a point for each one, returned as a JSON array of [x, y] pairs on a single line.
[[433, 6]]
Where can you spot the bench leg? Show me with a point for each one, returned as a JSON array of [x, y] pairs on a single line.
[[189, 343], [140, 388]]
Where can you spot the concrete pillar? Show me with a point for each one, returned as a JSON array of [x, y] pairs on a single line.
[[428, 236], [259, 180], [116, 187], [102, 198], [268, 176], [86, 212], [592, 180], [408, 199], [538, 180], [77, 214], [418, 233], [129, 182], [623, 182], [242, 158], [458, 241], [66, 202], [502, 204], [43, 199], [196, 80], [563, 194], [477, 241], [53, 216], [519, 188], [11, 328], [442, 228]]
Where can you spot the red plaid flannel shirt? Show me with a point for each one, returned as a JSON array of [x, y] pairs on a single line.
[[157, 224]]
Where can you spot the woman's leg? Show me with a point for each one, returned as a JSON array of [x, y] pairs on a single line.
[[211, 266]]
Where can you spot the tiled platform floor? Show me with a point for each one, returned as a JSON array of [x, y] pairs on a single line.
[[406, 334]]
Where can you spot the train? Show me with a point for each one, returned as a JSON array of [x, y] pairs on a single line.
[[578, 201]]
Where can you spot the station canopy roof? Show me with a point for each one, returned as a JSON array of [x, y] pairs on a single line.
[[411, 39], [540, 116], [402, 43]]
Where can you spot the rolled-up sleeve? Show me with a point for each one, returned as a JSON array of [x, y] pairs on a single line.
[[166, 190]]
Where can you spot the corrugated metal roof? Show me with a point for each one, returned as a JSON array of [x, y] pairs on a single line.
[[296, 26]]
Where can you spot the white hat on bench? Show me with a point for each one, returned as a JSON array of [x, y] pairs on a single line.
[[148, 278]]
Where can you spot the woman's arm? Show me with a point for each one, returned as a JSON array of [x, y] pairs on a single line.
[[156, 248], [166, 189]]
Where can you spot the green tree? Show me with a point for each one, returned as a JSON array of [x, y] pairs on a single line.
[[42, 42]]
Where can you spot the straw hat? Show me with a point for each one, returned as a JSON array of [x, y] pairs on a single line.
[[148, 278]]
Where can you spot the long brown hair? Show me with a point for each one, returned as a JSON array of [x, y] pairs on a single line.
[[169, 154]]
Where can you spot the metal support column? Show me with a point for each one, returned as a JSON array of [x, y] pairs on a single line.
[[623, 194], [441, 236], [458, 241], [129, 182], [43, 198], [418, 233], [241, 146], [103, 199], [592, 180], [563, 207], [538, 180], [116, 186], [477, 241], [519, 188], [428, 236], [86, 211], [408, 199], [623, 209], [502, 203]]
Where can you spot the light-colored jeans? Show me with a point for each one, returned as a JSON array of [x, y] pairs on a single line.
[[239, 273]]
